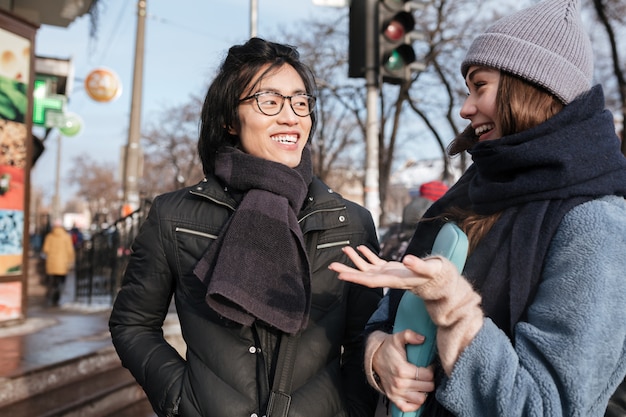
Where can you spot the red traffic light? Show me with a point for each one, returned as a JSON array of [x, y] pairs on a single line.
[[398, 26], [394, 31]]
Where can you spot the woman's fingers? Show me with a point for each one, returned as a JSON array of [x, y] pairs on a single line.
[[359, 262], [408, 400], [391, 274], [375, 272], [373, 258], [398, 377]]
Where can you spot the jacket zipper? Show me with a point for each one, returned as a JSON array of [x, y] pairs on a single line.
[[195, 232], [333, 244], [221, 203]]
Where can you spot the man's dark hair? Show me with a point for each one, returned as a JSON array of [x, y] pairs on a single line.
[[241, 65]]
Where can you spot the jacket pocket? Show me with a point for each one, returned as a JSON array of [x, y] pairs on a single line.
[[327, 290], [190, 244]]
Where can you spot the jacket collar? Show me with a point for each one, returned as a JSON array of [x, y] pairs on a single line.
[[320, 198], [323, 210], [211, 189]]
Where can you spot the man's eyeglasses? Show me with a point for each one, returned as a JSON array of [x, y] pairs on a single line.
[[270, 103]]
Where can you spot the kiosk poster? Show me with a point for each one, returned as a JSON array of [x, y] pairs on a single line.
[[14, 81]]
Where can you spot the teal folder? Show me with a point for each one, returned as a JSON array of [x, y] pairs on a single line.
[[451, 243]]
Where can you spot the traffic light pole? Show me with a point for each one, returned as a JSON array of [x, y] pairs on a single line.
[[372, 195]]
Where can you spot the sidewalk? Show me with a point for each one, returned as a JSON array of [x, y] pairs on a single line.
[[53, 343], [52, 335]]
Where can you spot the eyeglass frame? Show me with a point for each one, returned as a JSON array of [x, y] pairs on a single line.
[[255, 96]]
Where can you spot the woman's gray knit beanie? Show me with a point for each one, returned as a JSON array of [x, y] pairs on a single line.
[[545, 44]]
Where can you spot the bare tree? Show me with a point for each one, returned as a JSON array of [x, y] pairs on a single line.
[[171, 159], [97, 185], [611, 17], [338, 142]]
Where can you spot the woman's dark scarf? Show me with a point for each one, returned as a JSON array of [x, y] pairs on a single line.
[[533, 179], [258, 267]]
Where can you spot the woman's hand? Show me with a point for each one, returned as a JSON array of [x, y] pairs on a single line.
[[450, 300], [405, 384], [375, 272]]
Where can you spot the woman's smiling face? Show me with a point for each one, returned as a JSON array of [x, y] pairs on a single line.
[[480, 105], [280, 138]]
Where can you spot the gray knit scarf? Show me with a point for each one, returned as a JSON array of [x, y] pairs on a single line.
[[258, 267]]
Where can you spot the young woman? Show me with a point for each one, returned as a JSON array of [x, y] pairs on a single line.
[[245, 254], [536, 325]]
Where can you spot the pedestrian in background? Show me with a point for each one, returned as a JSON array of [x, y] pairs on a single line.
[[77, 237], [245, 253], [536, 325], [59, 252], [395, 242], [429, 192]]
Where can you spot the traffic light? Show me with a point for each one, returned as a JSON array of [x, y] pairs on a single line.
[[395, 51]]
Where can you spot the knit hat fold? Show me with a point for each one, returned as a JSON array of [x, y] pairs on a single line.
[[545, 44]]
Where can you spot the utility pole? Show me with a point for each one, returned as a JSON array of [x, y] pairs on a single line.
[[132, 153], [56, 205], [372, 132], [254, 17]]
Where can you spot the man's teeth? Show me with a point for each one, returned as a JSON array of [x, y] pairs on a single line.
[[285, 139], [484, 128]]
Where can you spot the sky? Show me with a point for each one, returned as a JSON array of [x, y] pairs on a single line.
[[185, 41]]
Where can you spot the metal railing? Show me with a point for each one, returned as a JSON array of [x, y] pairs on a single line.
[[102, 259]]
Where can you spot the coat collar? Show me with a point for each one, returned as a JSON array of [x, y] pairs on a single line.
[[213, 190]]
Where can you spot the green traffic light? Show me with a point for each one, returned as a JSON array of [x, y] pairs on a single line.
[[399, 58], [394, 61]]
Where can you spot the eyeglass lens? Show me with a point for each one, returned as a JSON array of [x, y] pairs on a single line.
[[272, 103]]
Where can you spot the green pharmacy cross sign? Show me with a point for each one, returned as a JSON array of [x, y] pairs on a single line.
[[44, 104]]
